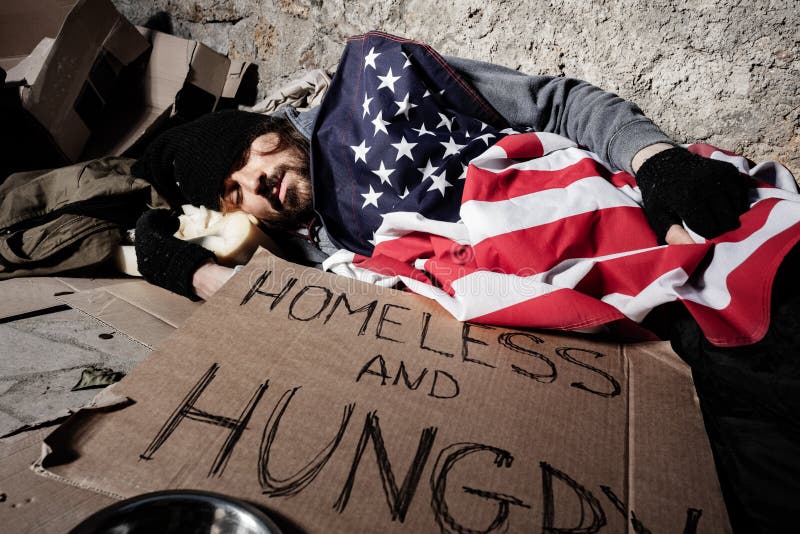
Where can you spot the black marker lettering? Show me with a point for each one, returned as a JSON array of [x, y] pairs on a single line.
[[328, 297], [598, 519], [369, 308], [454, 389], [507, 340], [565, 352], [448, 458], [398, 499], [294, 484], [384, 319], [692, 519], [365, 369], [465, 339], [690, 526], [401, 372], [255, 289], [426, 319], [187, 410]]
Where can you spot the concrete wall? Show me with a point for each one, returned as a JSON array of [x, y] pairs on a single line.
[[725, 72]]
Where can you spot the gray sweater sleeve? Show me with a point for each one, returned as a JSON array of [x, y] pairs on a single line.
[[609, 126]]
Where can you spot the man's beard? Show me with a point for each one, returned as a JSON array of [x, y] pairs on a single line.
[[297, 207]]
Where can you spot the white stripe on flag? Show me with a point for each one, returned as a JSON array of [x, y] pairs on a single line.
[[399, 223], [552, 142], [489, 219], [482, 292], [659, 291], [555, 161], [712, 289]]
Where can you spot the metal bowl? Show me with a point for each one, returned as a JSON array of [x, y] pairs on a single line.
[[179, 512]]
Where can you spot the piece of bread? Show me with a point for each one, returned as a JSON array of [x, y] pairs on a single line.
[[232, 237]]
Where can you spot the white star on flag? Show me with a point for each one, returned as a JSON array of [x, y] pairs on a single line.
[[463, 175], [483, 125], [451, 147], [380, 124], [440, 183], [361, 151], [485, 138], [365, 106], [388, 80], [404, 148], [427, 170], [371, 198], [383, 173], [408, 61], [369, 59], [405, 106], [445, 122], [422, 131], [405, 193]]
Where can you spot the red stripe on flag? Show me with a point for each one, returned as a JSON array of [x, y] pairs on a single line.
[[491, 186], [407, 248], [586, 235], [522, 146], [629, 275], [746, 319]]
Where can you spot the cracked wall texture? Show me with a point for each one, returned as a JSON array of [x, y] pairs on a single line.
[[725, 72]]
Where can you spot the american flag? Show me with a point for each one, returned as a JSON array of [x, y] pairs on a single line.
[[433, 192]]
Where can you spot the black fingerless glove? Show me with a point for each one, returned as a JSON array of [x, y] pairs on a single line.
[[708, 195], [162, 258]]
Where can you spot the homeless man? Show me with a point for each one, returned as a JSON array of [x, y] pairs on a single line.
[[443, 175]]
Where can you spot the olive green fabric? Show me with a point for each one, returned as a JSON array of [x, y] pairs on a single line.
[[70, 218]]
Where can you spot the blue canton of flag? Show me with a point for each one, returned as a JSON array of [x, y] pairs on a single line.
[[395, 134]]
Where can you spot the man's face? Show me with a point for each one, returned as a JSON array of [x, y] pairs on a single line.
[[273, 185]]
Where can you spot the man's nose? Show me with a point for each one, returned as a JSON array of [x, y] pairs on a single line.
[[252, 182]]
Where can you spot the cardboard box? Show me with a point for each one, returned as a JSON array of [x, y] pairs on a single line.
[[82, 73], [344, 407], [67, 80], [182, 77]]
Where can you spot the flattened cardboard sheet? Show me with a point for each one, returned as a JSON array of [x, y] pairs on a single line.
[[20, 296], [137, 308], [32, 503], [345, 407]]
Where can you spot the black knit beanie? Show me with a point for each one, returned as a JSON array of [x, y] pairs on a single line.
[[189, 162]]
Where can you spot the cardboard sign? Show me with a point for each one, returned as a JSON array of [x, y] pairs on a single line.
[[341, 406]]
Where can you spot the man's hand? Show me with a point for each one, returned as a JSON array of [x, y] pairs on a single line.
[[163, 259], [209, 278], [678, 186]]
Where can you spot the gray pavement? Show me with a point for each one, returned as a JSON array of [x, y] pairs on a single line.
[[42, 358]]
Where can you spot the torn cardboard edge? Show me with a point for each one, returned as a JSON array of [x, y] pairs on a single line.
[[104, 401], [598, 401]]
